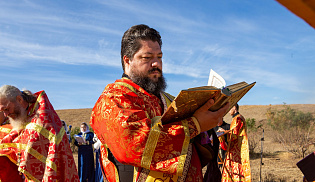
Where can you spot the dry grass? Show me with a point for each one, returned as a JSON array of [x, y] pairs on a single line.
[[75, 117], [277, 162]]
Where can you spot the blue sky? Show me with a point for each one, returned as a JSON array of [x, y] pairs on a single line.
[[71, 49]]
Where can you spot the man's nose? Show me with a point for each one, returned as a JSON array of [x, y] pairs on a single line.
[[156, 62], [6, 113]]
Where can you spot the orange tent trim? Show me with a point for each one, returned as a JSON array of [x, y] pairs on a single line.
[[304, 9]]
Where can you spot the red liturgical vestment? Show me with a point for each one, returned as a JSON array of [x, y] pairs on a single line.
[[126, 120], [237, 165], [41, 150]]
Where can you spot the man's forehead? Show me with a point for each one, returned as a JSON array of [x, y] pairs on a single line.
[[4, 101], [149, 44], [152, 53]]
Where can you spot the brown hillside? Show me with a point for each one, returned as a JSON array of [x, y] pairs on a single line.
[[77, 116]]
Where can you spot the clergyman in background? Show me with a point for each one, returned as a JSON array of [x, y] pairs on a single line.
[[237, 164], [37, 148], [222, 129]]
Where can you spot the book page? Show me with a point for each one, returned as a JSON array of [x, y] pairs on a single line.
[[79, 139], [216, 80]]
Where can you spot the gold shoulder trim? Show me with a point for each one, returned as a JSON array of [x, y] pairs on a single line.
[[56, 139], [28, 175], [31, 151], [37, 102], [5, 130], [126, 85]]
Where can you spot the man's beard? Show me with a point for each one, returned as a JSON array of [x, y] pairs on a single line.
[[20, 119], [153, 87]]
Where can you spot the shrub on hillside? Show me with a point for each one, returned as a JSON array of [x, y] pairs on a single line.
[[292, 128], [253, 136], [74, 131]]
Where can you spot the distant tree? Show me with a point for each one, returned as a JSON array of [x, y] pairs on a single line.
[[251, 124], [253, 137], [292, 128]]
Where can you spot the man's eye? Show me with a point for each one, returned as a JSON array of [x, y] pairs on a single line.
[[146, 58], [4, 109]]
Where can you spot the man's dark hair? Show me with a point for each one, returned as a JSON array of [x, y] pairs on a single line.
[[236, 106], [28, 96], [130, 42]]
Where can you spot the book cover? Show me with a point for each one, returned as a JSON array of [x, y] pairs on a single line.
[[188, 101]]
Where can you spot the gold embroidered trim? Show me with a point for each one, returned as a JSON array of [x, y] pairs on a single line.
[[147, 114], [8, 156], [116, 171], [135, 169], [56, 139], [5, 130], [31, 151], [37, 102], [116, 174], [182, 158], [126, 85], [28, 175], [196, 123], [151, 142], [60, 135], [168, 98]]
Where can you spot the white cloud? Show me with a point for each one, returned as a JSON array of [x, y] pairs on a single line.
[[14, 49]]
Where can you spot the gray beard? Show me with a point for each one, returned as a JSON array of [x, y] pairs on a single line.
[[20, 121]]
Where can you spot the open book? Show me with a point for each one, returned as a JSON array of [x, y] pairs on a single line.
[[79, 139], [188, 101]]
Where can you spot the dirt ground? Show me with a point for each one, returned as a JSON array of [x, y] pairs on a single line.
[[281, 167]]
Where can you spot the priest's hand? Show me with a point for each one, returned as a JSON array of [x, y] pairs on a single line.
[[209, 119]]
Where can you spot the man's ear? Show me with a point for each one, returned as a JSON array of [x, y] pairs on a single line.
[[126, 63], [126, 59], [20, 100]]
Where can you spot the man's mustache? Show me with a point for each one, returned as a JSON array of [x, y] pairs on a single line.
[[155, 69]]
